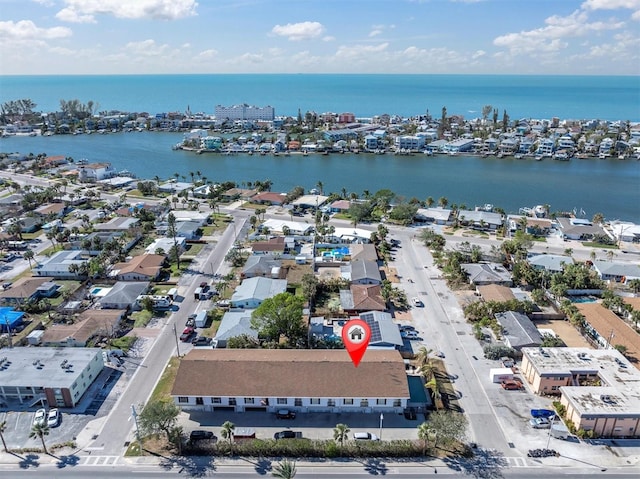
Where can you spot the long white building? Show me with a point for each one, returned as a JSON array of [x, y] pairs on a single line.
[[244, 112]]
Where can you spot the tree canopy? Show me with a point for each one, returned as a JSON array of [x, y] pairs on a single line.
[[279, 316]]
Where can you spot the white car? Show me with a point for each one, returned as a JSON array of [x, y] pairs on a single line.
[[365, 436], [416, 302], [540, 423], [54, 418], [40, 417]]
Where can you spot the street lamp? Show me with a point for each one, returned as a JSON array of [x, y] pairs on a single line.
[[134, 415], [381, 419]]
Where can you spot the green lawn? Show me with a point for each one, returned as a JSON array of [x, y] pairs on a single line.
[[590, 244], [141, 318], [194, 248]]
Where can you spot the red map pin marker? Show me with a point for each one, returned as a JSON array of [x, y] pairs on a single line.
[[355, 336]]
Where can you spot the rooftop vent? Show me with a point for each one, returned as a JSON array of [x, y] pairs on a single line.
[[606, 398]]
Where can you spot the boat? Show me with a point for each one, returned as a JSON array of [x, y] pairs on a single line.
[[538, 157], [561, 156], [518, 156]]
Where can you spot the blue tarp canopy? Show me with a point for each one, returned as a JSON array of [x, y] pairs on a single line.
[[9, 318]]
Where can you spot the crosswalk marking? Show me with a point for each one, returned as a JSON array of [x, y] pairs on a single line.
[[516, 461], [100, 461]]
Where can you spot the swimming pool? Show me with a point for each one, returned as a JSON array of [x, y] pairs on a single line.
[[583, 299]]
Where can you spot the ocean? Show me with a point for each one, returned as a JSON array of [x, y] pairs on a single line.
[[611, 187], [567, 97]]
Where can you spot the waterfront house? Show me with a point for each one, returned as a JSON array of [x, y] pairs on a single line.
[[350, 235], [409, 142], [340, 206], [269, 198], [578, 229], [62, 265], [616, 272], [439, 216], [145, 267], [253, 291], [479, 219], [303, 380], [292, 227], [234, 194], [93, 172], [459, 146], [309, 201], [628, 232], [546, 147]]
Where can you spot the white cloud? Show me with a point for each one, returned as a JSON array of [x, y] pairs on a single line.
[[328, 38], [154, 9], [611, 4], [147, 48], [70, 15], [207, 54], [299, 31], [25, 30], [374, 33], [345, 52], [551, 37], [477, 54]]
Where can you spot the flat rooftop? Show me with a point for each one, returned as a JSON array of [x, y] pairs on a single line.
[[41, 367]]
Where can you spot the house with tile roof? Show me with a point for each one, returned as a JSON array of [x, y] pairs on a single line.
[[362, 297]]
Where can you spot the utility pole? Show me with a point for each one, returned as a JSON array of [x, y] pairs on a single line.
[[381, 419], [175, 333], [134, 415]]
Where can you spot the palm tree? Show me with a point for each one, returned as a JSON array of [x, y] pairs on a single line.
[[227, 431], [28, 255], [443, 201], [40, 430], [423, 356], [341, 433], [320, 186], [285, 469], [3, 428], [429, 202], [423, 435]]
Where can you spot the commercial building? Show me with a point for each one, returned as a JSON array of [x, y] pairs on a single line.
[[599, 388], [56, 376], [302, 380], [244, 112]]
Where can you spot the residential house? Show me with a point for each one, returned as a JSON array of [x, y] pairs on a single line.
[[480, 274], [480, 219], [304, 380], [361, 297], [28, 289], [145, 267], [58, 377], [123, 295], [93, 172], [362, 272], [118, 224], [350, 235], [253, 291], [616, 272], [578, 229], [339, 206], [552, 263], [439, 216], [495, 292], [269, 198], [61, 265], [165, 245], [234, 194], [291, 227], [188, 229], [11, 320], [518, 330], [309, 201], [93, 322], [273, 246], [51, 210], [233, 324], [262, 265], [385, 334], [363, 252]]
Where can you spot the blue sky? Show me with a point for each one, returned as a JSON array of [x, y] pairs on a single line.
[[592, 37]]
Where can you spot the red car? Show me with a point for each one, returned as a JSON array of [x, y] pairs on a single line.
[[186, 334]]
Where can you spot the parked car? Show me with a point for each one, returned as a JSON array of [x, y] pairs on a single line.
[[285, 414], [200, 434], [540, 423], [406, 327], [365, 436], [40, 417], [511, 384], [186, 334], [53, 419], [409, 335], [416, 302], [287, 435], [201, 341], [204, 285], [546, 413]]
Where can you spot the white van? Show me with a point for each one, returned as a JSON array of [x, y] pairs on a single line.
[[173, 293], [365, 436]]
